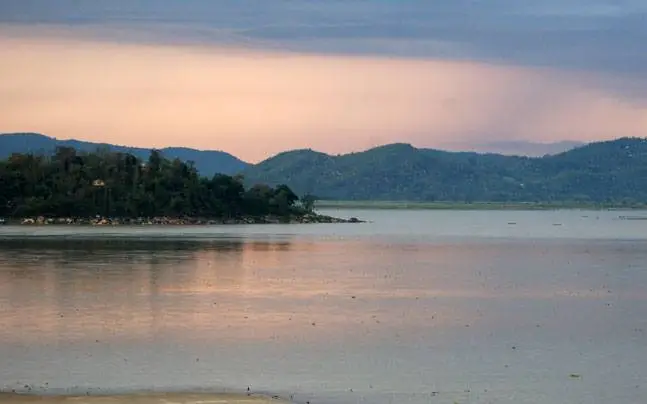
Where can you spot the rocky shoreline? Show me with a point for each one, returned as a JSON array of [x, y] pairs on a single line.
[[171, 221]]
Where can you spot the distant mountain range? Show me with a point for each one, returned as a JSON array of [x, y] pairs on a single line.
[[208, 162], [611, 171]]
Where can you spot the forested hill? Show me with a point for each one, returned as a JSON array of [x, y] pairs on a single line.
[[611, 171], [71, 184], [208, 162]]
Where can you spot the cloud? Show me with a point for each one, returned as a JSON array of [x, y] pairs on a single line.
[[593, 35], [256, 103]]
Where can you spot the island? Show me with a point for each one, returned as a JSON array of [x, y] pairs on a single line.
[[110, 188]]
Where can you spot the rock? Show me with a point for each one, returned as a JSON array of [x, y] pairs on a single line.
[[168, 221]]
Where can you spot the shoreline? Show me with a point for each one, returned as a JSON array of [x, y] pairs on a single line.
[[310, 218], [417, 205]]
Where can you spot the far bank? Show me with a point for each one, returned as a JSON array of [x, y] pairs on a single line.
[[413, 205]]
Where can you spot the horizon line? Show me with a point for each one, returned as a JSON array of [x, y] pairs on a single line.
[[581, 143]]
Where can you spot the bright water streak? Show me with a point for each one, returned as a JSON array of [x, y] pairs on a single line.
[[415, 307]]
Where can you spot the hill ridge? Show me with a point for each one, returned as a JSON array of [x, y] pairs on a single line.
[[208, 162], [390, 146], [610, 170]]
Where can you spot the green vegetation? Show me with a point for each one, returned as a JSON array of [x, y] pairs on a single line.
[[612, 173], [73, 184]]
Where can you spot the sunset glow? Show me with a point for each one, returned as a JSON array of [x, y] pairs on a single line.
[[255, 103]]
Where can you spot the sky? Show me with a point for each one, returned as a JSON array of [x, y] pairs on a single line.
[[257, 77]]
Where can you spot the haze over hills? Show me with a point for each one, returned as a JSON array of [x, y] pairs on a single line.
[[208, 162]]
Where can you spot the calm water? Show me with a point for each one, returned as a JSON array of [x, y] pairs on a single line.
[[415, 307]]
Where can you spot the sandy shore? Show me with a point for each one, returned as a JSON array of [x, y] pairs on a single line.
[[153, 398]]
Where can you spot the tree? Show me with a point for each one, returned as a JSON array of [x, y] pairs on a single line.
[[118, 184], [308, 202], [282, 200]]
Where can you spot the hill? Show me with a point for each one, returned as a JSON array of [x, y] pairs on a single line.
[[208, 162], [612, 171]]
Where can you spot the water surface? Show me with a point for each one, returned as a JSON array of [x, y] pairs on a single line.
[[414, 307]]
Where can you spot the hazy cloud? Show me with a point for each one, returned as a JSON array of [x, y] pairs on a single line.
[[596, 35]]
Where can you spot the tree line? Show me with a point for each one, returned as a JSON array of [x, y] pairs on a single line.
[[111, 184]]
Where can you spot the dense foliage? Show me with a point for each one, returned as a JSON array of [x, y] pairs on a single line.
[[74, 184], [604, 172], [208, 162]]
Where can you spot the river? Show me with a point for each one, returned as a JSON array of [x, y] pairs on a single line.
[[413, 307]]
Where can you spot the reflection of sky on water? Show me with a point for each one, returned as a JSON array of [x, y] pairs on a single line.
[[415, 302], [260, 290]]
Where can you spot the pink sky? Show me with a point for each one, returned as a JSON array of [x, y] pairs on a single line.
[[255, 103]]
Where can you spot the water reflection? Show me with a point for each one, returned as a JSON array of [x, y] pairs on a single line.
[[234, 289], [309, 315], [81, 289], [219, 290]]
